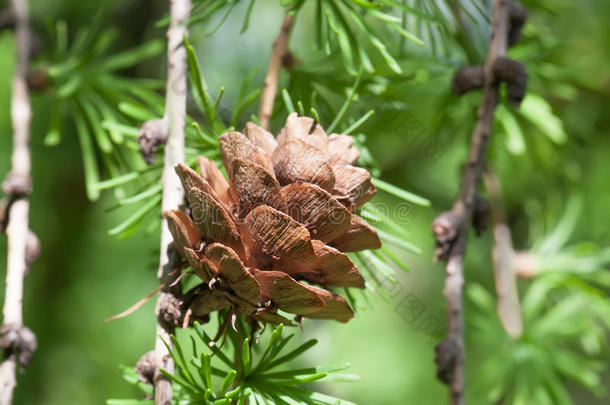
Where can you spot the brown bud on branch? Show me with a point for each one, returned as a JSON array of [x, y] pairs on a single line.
[[517, 17], [467, 78], [513, 73], [480, 214], [446, 355]]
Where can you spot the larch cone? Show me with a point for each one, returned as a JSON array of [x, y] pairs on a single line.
[[273, 235]]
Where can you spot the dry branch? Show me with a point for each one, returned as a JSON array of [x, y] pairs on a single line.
[[175, 112], [17, 341], [503, 256], [278, 56], [451, 228]]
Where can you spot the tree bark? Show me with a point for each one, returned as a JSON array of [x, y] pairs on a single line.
[[173, 195], [451, 229], [17, 340]]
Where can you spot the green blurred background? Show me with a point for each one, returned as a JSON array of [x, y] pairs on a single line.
[[84, 275]]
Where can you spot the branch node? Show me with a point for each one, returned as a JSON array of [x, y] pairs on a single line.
[[446, 228], [170, 311], [288, 60], [513, 73], [17, 185], [32, 249], [145, 367], [447, 353], [481, 210], [153, 133], [467, 78], [20, 341]]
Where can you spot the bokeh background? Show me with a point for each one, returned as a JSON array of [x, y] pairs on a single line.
[[84, 275]]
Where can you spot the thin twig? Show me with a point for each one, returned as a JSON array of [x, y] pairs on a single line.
[[503, 256], [451, 228], [175, 112], [527, 265], [278, 55], [18, 342], [135, 306]]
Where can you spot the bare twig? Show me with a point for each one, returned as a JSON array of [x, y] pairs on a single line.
[[17, 341], [527, 265], [503, 256], [135, 306], [175, 111], [451, 228], [278, 56]]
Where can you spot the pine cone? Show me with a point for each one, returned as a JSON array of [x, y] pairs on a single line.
[[284, 216]]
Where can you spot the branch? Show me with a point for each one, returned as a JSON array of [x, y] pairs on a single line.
[[503, 255], [451, 228], [527, 265], [278, 57], [175, 112], [17, 341]]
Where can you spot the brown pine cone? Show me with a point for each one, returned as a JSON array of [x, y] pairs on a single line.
[[284, 216]]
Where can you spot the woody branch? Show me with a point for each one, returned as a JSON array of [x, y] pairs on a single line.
[[175, 111], [17, 341], [451, 228]]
